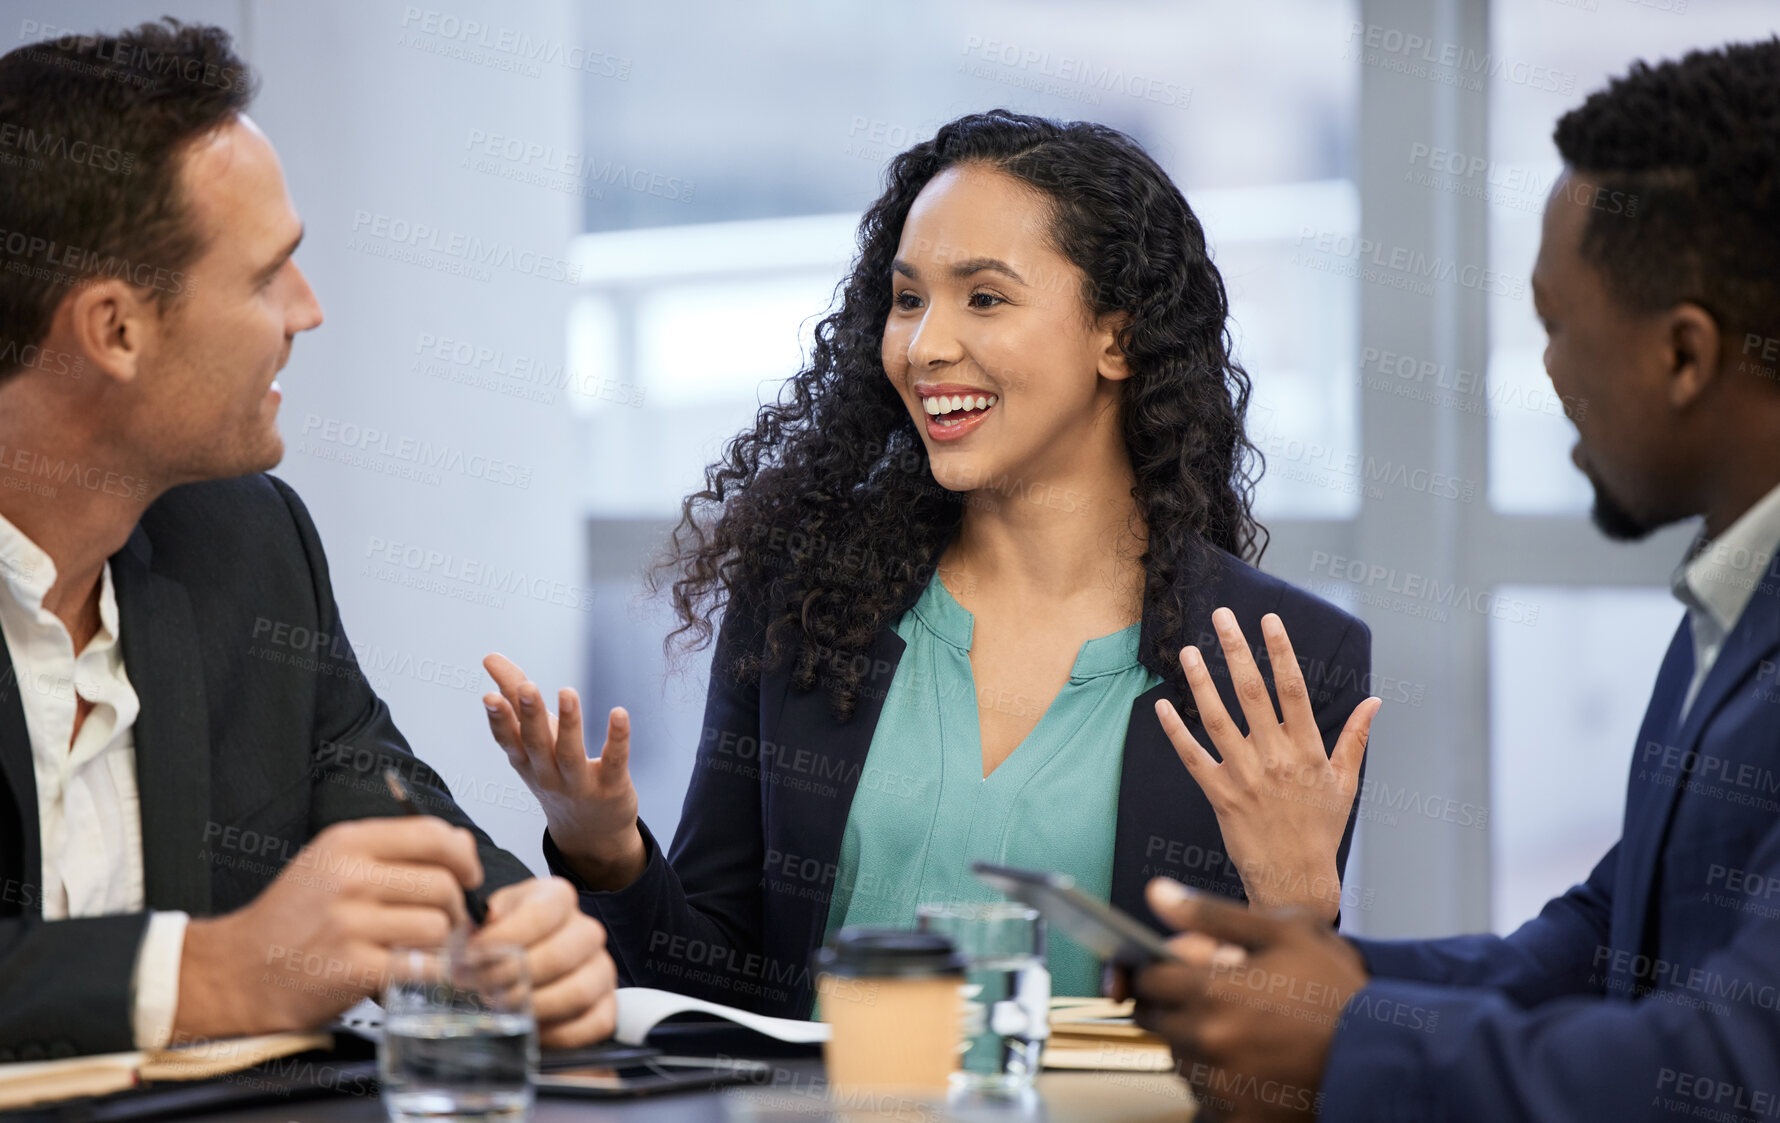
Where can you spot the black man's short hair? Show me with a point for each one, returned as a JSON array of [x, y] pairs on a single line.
[[1693, 148]]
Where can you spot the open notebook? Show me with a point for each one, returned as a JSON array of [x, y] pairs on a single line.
[[1086, 1033], [33, 1082], [641, 1009]]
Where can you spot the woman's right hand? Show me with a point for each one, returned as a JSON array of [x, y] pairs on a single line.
[[591, 805]]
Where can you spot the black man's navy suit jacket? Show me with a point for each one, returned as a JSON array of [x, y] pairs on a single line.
[[1650, 991]]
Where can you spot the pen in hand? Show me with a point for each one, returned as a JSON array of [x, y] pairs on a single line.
[[473, 902]]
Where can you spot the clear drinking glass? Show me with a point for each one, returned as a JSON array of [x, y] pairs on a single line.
[[1008, 989], [459, 1037]]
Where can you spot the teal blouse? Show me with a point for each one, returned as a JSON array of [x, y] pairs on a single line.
[[923, 810]]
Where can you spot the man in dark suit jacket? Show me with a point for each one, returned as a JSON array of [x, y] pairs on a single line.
[[196, 837], [1651, 990]]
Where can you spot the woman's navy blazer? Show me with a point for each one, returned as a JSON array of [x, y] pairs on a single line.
[[735, 909]]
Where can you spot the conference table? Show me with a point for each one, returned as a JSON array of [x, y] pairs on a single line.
[[334, 1087], [795, 1096]]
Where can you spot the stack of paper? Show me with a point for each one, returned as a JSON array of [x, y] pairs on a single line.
[[1095, 1033], [35, 1082]]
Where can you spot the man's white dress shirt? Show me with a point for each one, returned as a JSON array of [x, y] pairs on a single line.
[[1718, 577], [87, 804]]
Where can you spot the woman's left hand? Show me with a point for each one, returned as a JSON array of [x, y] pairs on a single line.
[[1281, 801]]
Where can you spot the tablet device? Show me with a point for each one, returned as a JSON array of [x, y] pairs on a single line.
[[1108, 933], [648, 1076]]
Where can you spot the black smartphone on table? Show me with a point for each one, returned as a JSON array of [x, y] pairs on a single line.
[[647, 1072]]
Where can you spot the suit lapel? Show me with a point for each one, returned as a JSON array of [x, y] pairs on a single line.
[[814, 815], [1156, 796], [1648, 799], [1756, 634], [807, 818], [18, 768], [1659, 772], [1159, 801], [161, 655]]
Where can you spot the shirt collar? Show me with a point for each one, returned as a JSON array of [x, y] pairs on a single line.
[[953, 623], [29, 573], [1107, 655], [1719, 575], [944, 616]]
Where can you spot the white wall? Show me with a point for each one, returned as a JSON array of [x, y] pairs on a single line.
[[367, 121]]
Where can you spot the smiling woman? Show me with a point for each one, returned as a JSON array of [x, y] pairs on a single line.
[[1048, 241], [967, 561]]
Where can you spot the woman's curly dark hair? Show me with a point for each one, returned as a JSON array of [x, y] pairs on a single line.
[[824, 518]]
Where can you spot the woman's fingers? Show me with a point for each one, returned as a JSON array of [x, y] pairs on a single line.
[[538, 734], [614, 760], [1245, 677], [549, 749], [507, 676], [571, 750], [1230, 743], [1350, 747], [535, 720], [503, 725], [1288, 680], [515, 722], [1199, 763]]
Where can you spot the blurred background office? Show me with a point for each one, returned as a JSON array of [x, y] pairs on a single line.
[[566, 248]]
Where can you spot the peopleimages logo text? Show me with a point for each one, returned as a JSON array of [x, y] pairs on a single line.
[[474, 250], [412, 450]]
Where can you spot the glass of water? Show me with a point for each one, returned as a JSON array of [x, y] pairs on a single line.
[[1008, 989], [459, 1037]]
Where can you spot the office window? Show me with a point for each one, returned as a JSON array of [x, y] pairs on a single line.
[[1567, 696], [1582, 45], [1567, 699]]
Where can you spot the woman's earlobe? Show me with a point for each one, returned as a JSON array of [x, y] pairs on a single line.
[[1114, 366]]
